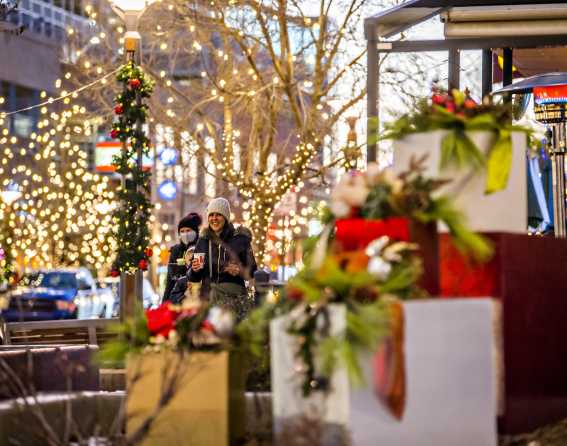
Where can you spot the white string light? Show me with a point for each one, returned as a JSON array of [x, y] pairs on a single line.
[[60, 98]]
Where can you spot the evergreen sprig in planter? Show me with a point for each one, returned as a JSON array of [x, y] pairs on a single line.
[[346, 301], [185, 382]]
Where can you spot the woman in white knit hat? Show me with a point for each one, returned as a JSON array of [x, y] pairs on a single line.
[[223, 260]]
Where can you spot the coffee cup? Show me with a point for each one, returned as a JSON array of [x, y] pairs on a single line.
[[200, 257]]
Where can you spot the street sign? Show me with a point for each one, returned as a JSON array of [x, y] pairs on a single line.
[[167, 190], [168, 156], [105, 151]]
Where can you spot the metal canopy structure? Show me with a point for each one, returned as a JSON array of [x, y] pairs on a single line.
[[402, 17], [486, 25]]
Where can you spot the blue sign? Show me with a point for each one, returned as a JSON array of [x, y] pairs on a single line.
[[167, 190], [168, 156]]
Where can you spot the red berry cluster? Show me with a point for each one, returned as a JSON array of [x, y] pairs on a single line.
[[143, 263], [454, 102]]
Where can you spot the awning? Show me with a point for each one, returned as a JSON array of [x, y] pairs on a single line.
[[397, 19]]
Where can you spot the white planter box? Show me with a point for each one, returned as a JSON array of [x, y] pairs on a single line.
[[287, 399], [450, 380], [451, 396], [503, 211]]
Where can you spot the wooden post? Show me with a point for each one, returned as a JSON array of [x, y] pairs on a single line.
[[127, 296]]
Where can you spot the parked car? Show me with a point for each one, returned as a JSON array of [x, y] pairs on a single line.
[[96, 303], [30, 279], [61, 294], [108, 294]]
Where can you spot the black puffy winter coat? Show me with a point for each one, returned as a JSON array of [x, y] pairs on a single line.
[[174, 270], [231, 245]]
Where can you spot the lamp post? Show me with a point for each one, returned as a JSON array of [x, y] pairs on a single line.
[[130, 11]]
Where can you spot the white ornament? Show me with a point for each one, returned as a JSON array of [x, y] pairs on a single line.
[[222, 321], [376, 246], [379, 268]]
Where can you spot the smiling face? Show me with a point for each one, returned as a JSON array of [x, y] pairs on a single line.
[[216, 222]]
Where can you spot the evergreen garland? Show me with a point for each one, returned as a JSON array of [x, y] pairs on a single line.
[[132, 234]]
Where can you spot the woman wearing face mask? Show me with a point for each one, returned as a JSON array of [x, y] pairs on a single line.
[[181, 253], [223, 260]]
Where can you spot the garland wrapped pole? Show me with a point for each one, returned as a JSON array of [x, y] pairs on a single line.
[[132, 215]]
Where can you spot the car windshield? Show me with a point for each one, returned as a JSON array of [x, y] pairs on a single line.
[[59, 280], [30, 279]]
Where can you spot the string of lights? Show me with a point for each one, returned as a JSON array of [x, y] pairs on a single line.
[[63, 212], [294, 86], [73, 94]]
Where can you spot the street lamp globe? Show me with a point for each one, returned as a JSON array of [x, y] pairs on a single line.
[[130, 11], [132, 5]]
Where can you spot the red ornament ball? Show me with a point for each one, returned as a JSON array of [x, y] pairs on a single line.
[[119, 109], [114, 134], [149, 252], [134, 83], [295, 294], [143, 264], [114, 273]]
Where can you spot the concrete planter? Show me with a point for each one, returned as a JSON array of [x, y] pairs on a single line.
[[289, 406], [207, 407], [450, 380], [503, 211], [451, 395]]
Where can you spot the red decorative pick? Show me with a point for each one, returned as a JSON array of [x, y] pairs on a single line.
[[143, 264], [470, 103], [356, 233], [148, 252], [161, 320], [119, 109], [114, 134], [438, 99], [207, 326], [114, 273], [134, 83]]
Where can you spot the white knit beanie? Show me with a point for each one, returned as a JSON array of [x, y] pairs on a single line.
[[220, 206]]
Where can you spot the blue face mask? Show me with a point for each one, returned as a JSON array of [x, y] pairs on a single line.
[[188, 237]]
